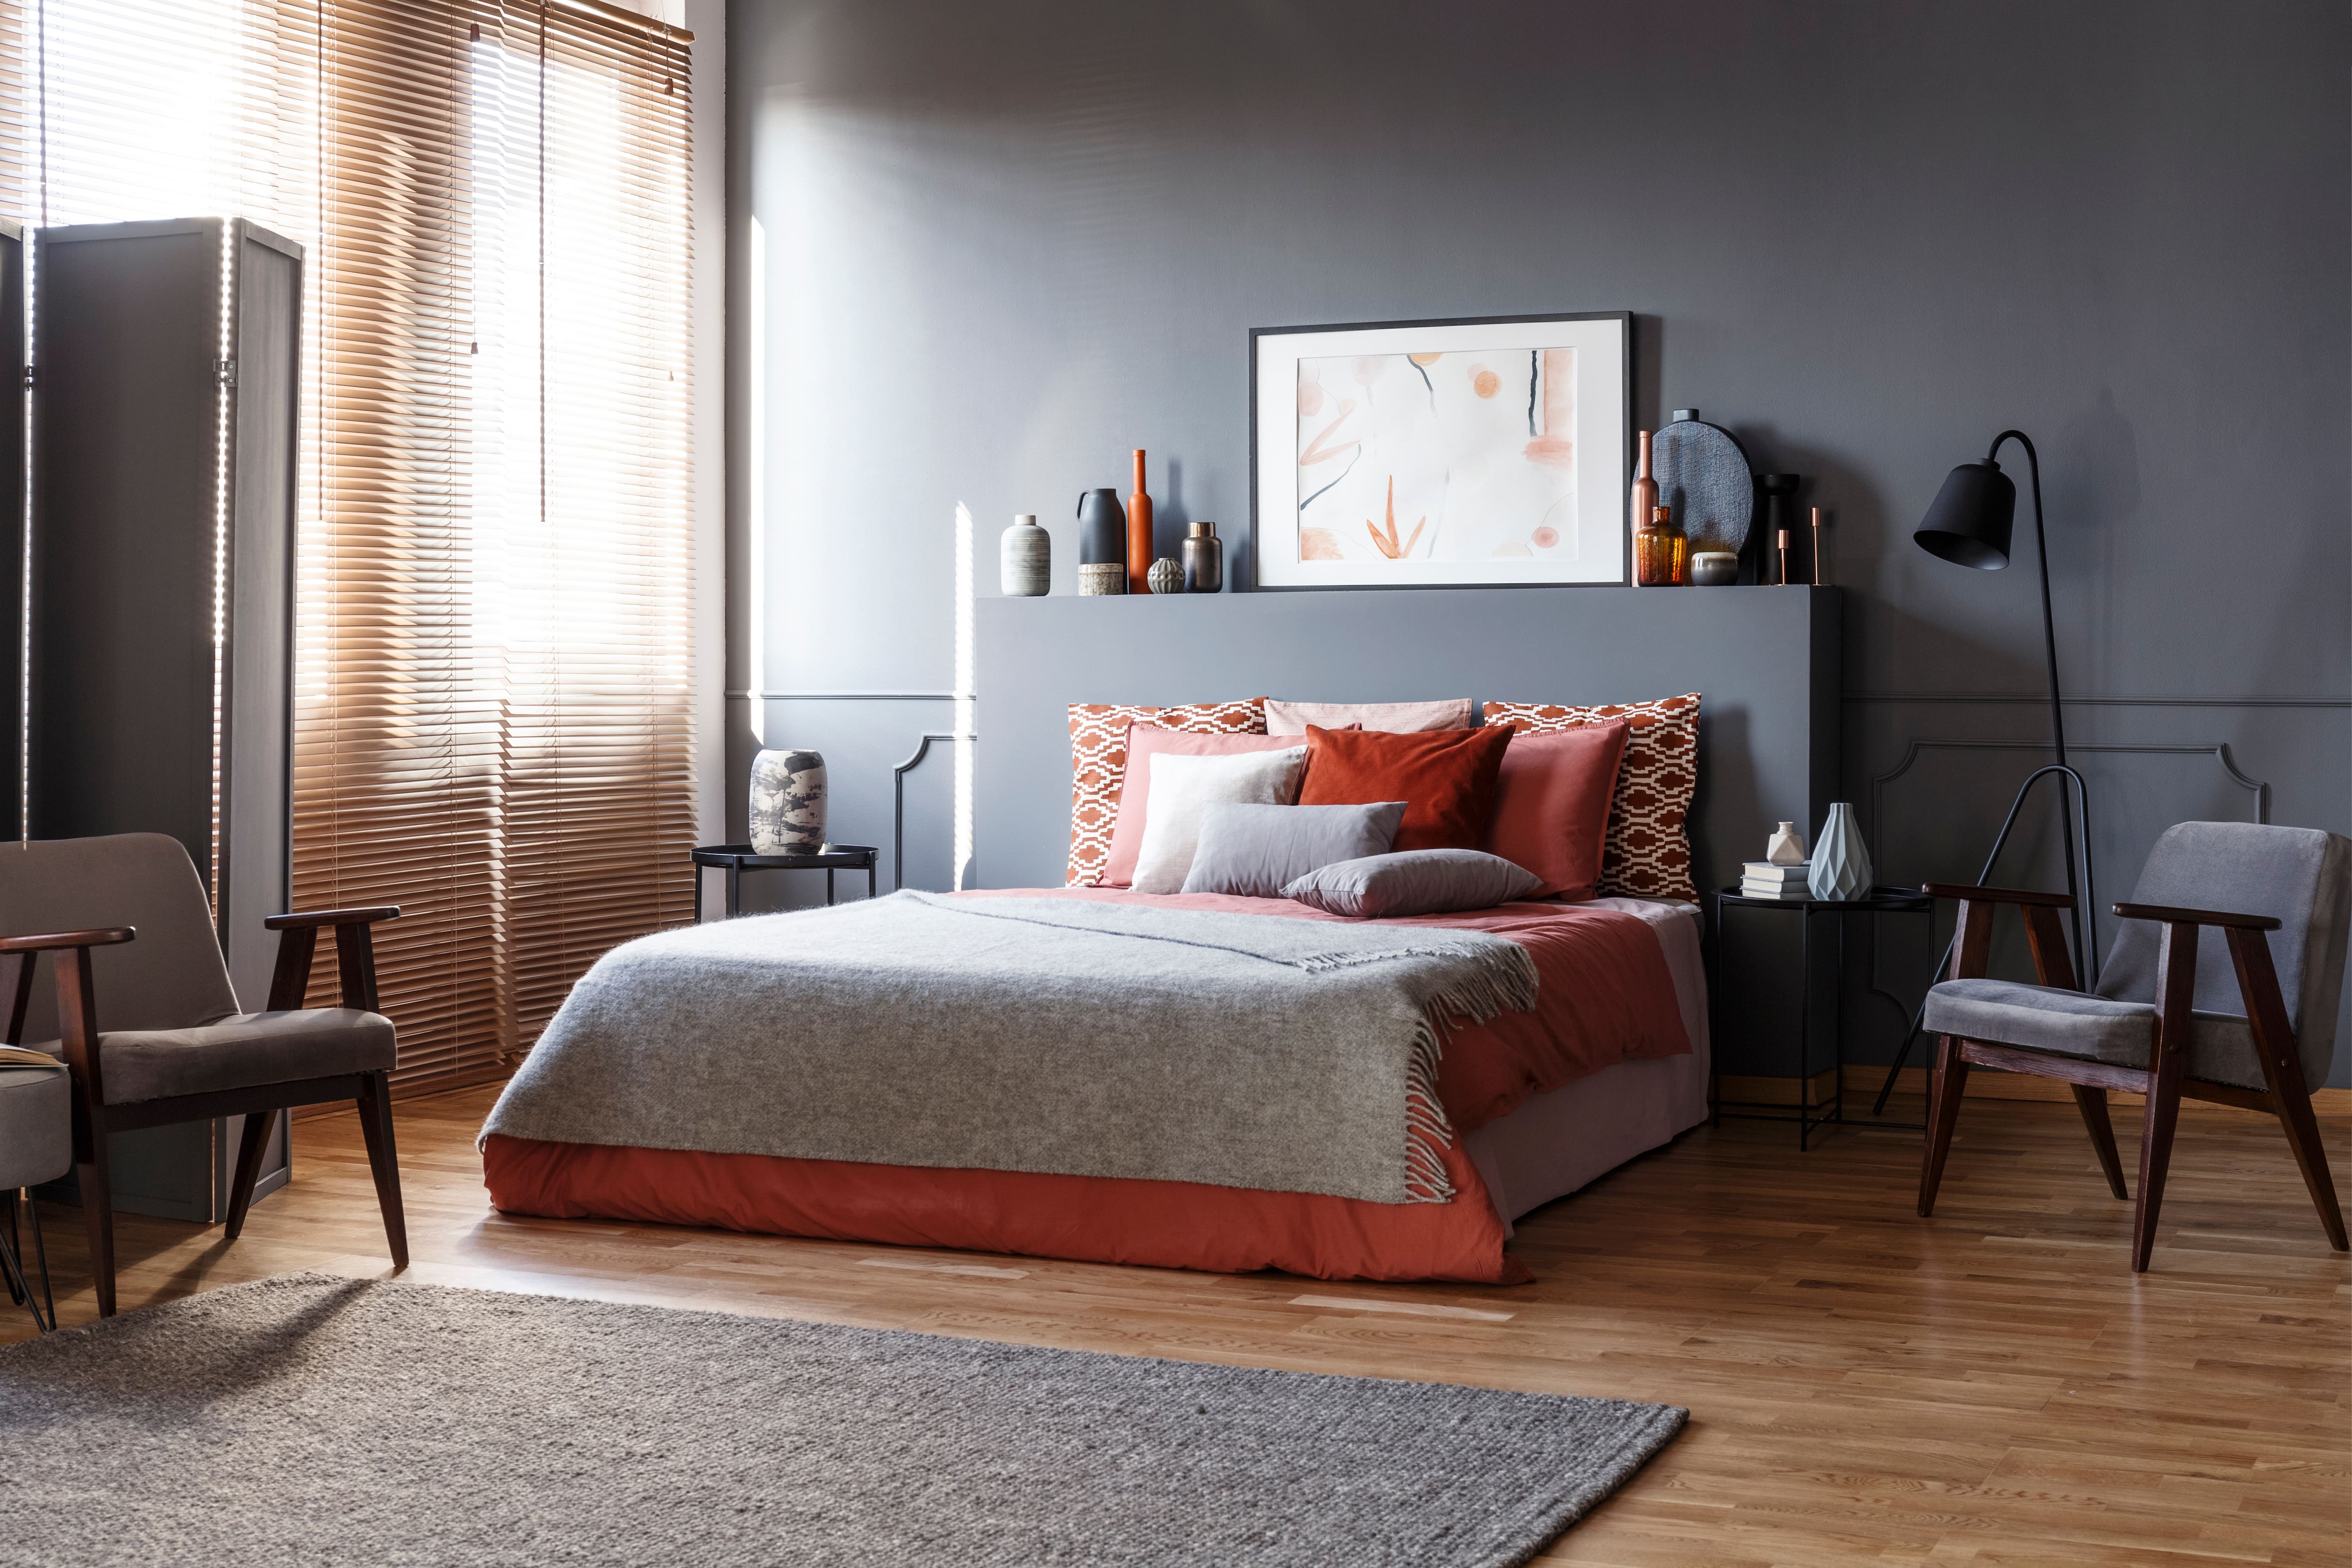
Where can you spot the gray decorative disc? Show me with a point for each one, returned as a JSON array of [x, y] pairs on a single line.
[[1704, 476]]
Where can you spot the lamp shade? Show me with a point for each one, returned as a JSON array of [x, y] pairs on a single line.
[[1970, 523]]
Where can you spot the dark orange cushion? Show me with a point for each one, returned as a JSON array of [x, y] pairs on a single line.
[[1446, 778], [1551, 805]]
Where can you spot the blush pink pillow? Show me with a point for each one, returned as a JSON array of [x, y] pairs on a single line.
[[1396, 718], [1551, 805], [1144, 740]]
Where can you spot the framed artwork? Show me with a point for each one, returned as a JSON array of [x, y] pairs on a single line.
[[1489, 452]]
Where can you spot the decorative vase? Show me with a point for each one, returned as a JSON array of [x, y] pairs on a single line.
[[1645, 489], [1102, 529], [1786, 849], [1779, 489], [1661, 551], [1139, 532], [1204, 560], [1166, 576], [1103, 577], [1841, 869], [1025, 564], [1714, 569], [787, 803]]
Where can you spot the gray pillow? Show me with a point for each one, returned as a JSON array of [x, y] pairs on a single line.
[[1257, 851], [1413, 882]]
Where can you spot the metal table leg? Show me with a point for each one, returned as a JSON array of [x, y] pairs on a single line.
[[1805, 1031], [828, 887], [734, 889]]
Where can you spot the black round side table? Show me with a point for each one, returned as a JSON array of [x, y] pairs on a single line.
[[737, 858], [1877, 902]]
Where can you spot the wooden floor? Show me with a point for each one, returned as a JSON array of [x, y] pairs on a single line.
[[1990, 1387]]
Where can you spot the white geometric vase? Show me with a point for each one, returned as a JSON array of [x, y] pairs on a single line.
[[787, 803], [1841, 869]]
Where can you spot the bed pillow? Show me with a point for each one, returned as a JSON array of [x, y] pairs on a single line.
[[1397, 718], [1099, 763], [1181, 787], [1255, 851], [1647, 852], [1415, 883], [1446, 778], [1145, 742], [1551, 805]]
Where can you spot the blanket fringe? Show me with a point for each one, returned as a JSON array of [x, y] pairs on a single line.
[[1503, 980]]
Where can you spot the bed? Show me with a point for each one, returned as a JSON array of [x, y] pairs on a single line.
[[1611, 1061]]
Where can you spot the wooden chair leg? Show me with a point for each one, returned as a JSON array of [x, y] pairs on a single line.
[[2311, 1159], [383, 1164], [2093, 1103], [98, 1216], [1944, 1092], [2156, 1153], [2276, 1047], [258, 1125]]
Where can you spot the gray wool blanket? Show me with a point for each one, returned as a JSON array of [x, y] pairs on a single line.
[[1046, 1035]]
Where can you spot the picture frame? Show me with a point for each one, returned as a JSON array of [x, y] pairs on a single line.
[[1478, 451]]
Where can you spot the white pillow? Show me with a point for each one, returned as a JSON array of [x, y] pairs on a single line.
[[1181, 787]]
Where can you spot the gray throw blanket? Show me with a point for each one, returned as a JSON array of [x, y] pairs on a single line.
[[1046, 1034]]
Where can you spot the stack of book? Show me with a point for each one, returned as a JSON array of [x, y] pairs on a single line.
[[1763, 880]]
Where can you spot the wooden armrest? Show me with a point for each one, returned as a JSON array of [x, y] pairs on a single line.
[[99, 936], [2169, 915], [296, 920], [1999, 896]]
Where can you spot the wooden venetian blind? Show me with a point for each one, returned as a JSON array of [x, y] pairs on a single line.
[[493, 700]]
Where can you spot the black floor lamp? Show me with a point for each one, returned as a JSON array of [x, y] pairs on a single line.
[[1969, 525]]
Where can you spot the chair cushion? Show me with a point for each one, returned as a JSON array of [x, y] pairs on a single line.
[[2095, 1028], [242, 1051], [36, 1126]]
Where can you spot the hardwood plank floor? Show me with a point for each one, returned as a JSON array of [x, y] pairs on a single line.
[[1990, 1387]]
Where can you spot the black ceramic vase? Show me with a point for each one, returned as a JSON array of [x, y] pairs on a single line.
[[1102, 544]]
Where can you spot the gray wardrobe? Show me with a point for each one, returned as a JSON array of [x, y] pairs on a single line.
[[165, 366]]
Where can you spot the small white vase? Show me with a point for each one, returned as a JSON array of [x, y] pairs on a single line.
[[1785, 847], [1027, 559], [787, 803], [1841, 869]]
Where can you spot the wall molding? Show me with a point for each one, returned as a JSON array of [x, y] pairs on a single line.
[[899, 802], [852, 696], [2042, 699], [2217, 750]]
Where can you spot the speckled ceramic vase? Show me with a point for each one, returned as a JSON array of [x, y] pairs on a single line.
[[787, 803], [1026, 568]]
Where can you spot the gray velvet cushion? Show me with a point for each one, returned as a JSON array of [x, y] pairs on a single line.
[[1413, 882], [2097, 1028], [242, 1050], [2300, 876], [36, 1126], [1258, 850]]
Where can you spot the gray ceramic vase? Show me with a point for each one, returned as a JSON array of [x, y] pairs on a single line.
[[787, 803], [1842, 868], [1025, 567]]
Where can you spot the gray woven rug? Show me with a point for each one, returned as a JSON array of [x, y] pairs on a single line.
[[316, 1420]]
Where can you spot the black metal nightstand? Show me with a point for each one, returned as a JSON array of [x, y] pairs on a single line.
[[737, 858], [1881, 901]]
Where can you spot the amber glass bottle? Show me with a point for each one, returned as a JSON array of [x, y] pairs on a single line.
[[1662, 552]]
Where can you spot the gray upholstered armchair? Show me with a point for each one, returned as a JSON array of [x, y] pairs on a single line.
[[2247, 1021], [150, 1030]]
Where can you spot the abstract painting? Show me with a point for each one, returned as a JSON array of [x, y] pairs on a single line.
[[1441, 453]]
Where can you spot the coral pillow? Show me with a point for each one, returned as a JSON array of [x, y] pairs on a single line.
[[1647, 855], [1551, 805], [1099, 763], [1145, 742], [1446, 778], [1398, 718]]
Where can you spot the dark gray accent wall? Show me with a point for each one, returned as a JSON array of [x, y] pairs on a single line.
[[1006, 243]]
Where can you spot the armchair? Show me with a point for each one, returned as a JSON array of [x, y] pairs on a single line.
[[2166, 1019], [148, 1025]]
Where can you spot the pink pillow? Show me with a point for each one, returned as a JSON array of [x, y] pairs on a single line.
[[1135, 790], [1394, 718], [1551, 805]]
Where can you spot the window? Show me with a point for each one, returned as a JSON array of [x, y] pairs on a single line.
[[493, 698]]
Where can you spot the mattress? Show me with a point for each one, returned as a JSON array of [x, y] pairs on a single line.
[[1611, 1063]]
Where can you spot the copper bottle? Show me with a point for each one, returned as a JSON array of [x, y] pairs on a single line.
[[1645, 489], [1139, 533]]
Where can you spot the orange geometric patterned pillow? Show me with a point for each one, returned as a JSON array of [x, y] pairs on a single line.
[[1098, 764], [1646, 854]]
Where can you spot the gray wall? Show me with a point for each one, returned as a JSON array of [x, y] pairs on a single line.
[[1005, 243]]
